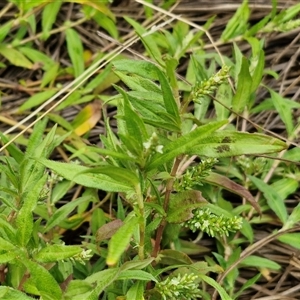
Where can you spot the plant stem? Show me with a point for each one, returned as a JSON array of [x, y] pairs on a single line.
[[140, 201], [169, 188]]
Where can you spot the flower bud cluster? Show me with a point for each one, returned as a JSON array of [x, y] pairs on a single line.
[[284, 27], [194, 175], [82, 256], [152, 145], [212, 224], [179, 287], [207, 87]]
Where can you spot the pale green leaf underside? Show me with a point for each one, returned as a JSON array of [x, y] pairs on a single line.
[[87, 176]]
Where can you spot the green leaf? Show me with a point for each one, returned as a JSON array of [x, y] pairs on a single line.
[[43, 281], [238, 23], [50, 75], [24, 220], [15, 57], [53, 253], [136, 274], [241, 98], [6, 246], [120, 241], [4, 29], [60, 189], [148, 109], [107, 23], [147, 40], [141, 86], [275, 202], [8, 293], [9, 256], [169, 99], [36, 99], [182, 204], [224, 96], [120, 175], [184, 144], [77, 289], [109, 180], [49, 16], [142, 68], [97, 5], [291, 239], [109, 153], [137, 264], [260, 262], [14, 151], [257, 62], [172, 257], [134, 125], [293, 218], [287, 14], [37, 57], [36, 137], [7, 230], [148, 70], [285, 186], [284, 111], [136, 291], [248, 284], [75, 50], [259, 25], [247, 231], [100, 280], [15, 274], [61, 214], [213, 283], [231, 143]]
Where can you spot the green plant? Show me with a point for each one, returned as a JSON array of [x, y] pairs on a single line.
[[159, 170], [141, 163]]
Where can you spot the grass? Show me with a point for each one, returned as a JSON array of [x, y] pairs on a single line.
[[153, 168]]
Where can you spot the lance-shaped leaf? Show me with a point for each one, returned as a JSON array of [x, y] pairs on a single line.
[[142, 68], [15, 57], [24, 220], [182, 205], [120, 241], [229, 185], [133, 124], [274, 200], [243, 91], [184, 144], [148, 70], [148, 40], [43, 281], [53, 253], [231, 143], [75, 50], [49, 15], [106, 178], [10, 293]]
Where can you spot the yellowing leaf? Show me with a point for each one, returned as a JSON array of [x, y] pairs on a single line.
[[98, 6], [87, 56], [87, 118], [15, 57]]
